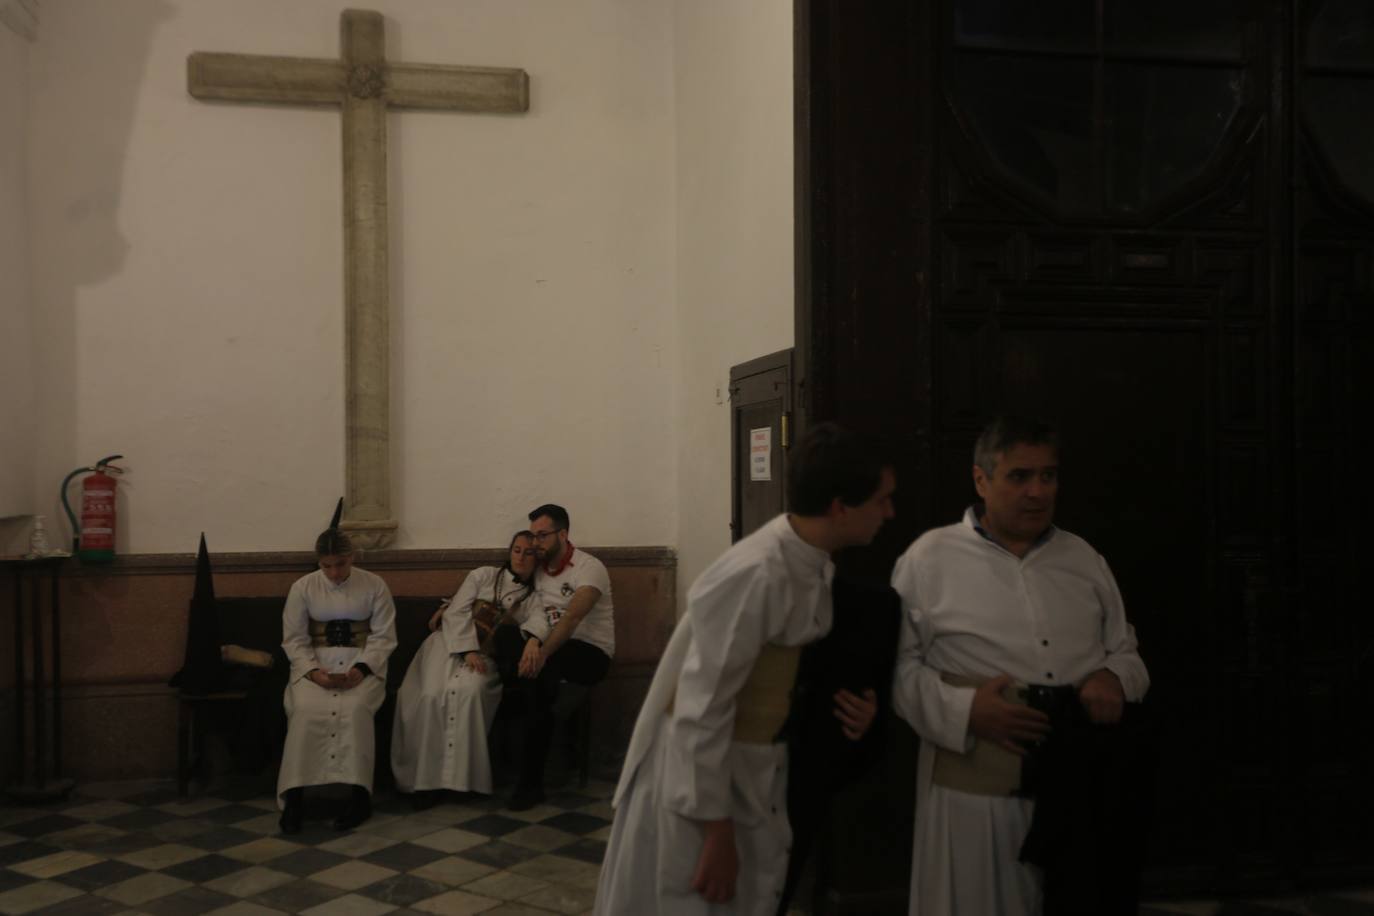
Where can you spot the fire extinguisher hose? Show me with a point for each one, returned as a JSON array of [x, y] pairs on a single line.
[[99, 467]]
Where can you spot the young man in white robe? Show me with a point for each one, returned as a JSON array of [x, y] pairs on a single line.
[[992, 604], [338, 630], [701, 818]]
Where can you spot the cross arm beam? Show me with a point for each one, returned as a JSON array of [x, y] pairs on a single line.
[[490, 89], [259, 78]]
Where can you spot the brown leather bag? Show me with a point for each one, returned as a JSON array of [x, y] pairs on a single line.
[[485, 617]]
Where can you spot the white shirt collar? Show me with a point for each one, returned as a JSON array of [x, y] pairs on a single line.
[[809, 555]]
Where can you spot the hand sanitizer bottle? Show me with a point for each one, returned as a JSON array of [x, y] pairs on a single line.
[[38, 539]]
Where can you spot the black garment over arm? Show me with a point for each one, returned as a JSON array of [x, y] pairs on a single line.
[[858, 654]]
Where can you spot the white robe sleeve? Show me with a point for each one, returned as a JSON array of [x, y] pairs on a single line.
[[382, 624], [295, 633], [938, 711], [1118, 639], [730, 624], [460, 633]]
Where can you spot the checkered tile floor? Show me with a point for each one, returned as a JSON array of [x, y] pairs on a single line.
[[137, 848], [134, 848]]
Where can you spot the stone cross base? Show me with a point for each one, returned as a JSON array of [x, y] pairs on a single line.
[[370, 535]]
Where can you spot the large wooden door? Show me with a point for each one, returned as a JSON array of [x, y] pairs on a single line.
[[1152, 224], [1326, 634]]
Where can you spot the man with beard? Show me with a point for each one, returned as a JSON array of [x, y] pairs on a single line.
[[569, 636]]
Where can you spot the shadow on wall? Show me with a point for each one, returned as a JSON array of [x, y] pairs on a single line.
[[87, 70]]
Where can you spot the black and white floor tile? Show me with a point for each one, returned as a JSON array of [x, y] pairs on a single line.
[[136, 848]]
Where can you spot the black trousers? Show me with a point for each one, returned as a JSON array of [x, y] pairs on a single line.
[[575, 661]]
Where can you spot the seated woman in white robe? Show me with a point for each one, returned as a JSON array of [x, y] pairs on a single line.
[[338, 629], [451, 690]]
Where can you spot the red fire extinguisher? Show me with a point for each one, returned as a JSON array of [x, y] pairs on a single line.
[[93, 537]]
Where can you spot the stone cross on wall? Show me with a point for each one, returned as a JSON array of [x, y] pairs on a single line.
[[364, 84]]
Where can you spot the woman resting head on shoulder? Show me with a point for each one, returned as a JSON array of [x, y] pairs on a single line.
[[519, 568]]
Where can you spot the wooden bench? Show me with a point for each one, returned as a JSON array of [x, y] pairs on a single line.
[[255, 623]]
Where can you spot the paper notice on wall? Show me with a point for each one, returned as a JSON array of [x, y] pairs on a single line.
[[761, 453]]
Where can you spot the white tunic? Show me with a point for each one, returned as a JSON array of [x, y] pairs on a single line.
[[971, 607], [445, 709], [329, 735], [684, 768]]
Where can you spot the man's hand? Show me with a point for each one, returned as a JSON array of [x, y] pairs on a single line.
[[718, 866], [318, 677], [855, 712], [474, 661], [532, 659], [1008, 725], [1102, 696]]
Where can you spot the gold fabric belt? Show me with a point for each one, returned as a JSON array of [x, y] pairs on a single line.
[[339, 633], [762, 705], [987, 769]]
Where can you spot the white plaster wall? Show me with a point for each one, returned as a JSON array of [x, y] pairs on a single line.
[[733, 66], [187, 275], [17, 412]]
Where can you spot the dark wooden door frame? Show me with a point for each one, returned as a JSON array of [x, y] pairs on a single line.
[[828, 37]]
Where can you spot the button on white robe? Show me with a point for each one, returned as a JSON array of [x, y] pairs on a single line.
[[445, 709], [684, 768], [972, 608], [329, 734]]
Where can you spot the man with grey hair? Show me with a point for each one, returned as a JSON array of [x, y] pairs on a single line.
[[1004, 616]]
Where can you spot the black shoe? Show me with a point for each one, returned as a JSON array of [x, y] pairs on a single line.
[[359, 809], [525, 798], [293, 814], [426, 799]]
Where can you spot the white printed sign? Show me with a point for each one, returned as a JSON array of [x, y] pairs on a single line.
[[761, 453]]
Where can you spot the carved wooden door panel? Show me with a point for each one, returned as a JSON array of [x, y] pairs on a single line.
[[1152, 223], [1101, 256], [1328, 630]]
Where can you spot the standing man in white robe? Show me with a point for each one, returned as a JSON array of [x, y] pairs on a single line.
[[701, 817], [338, 629], [451, 690], [992, 604]]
